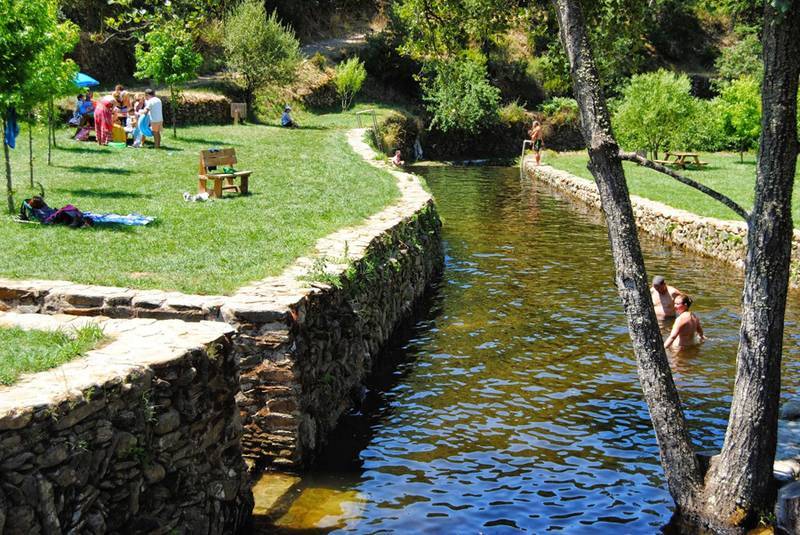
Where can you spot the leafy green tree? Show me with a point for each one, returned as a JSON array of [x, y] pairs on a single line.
[[52, 76], [169, 59], [742, 58], [259, 49], [460, 97], [26, 28], [740, 110], [349, 78], [654, 111]]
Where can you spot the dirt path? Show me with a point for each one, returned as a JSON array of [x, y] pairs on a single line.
[[337, 47]]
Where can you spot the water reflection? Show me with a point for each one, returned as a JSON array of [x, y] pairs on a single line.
[[514, 406]]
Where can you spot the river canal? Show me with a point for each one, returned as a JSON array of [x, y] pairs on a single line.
[[513, 404]]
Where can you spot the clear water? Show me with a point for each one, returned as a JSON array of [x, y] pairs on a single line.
[[513, 404]]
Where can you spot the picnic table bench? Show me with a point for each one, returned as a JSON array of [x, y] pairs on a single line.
[[213, 159], [682, 159]]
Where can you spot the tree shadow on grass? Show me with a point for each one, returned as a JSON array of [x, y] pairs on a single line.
[[98, 170], [106, 194], [210, 142], [97, 149]]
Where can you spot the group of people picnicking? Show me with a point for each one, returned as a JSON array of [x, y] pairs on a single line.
[[669, 302], [119, 117]]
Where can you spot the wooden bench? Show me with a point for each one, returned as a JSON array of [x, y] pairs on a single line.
[[212, 160]]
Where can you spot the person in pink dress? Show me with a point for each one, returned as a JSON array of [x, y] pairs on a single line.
[[104, 119]]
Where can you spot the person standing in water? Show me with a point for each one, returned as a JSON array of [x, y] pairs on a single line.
[[536, 138], [687, 330], [663, 298]]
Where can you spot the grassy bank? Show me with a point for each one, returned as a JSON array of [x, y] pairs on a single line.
[[724, 173], [306, 183], [34, 351]]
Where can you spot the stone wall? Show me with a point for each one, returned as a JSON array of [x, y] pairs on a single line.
[[723, 240], [303, 340], [139, 436], [302, 368]]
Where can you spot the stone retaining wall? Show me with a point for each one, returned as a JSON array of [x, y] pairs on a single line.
[[304, 340], [716, 238], [139, 436], [305, 345]]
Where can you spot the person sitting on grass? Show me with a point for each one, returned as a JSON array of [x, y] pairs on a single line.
[[397, 159], [286, 118]]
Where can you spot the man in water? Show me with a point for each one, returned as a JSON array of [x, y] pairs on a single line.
[[663, 298], [686, 330]]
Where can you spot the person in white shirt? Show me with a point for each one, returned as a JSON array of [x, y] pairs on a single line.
[[154, 108]]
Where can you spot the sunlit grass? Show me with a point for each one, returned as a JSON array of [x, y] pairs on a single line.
[[724, 173], [306, 183], [34, 351]]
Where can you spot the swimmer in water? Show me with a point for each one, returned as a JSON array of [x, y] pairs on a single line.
[[687, 330], [663, 297]]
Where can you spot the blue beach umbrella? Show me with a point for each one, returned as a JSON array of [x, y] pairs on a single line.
[[84, 80]]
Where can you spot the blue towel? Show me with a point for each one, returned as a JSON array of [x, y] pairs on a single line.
[[144, 125], [131, 220], [12, 128]]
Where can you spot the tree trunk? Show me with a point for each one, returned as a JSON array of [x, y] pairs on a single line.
[[50, 133], [737, 486], [30, 148], [740, 479], [681, 468], [174, 99], [9, 186], [52, 126]]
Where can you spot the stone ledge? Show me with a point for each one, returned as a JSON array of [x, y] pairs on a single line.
[[135, 345], [715, 238], [142, 435]]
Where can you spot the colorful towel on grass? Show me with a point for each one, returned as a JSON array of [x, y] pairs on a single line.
[[131, 220]]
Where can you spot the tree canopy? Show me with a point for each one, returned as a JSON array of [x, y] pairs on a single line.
[[259, 48]]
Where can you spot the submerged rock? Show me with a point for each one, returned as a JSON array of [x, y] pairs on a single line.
[[269, 490], [322, 508], [790, 410]]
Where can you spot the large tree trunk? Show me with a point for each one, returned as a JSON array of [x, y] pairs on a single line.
[[682, 469], [9, 186], [740, 479], [736, 489]]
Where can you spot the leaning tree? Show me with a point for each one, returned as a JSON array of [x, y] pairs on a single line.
[[732, 489]]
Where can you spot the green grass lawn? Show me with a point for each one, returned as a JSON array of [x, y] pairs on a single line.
[[724, 173], [306, 183], [34, 351]]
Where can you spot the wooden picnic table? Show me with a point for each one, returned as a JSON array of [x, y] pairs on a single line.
[[682, 159]]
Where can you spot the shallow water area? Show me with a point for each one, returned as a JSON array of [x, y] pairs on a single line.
[[513, 404]]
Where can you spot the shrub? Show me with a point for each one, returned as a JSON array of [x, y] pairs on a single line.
[[385, 65], [706, 130], [349, 78], [169, 59], [655, 111], [460, 97], [258, 48], [739, 105], [399, 131], [742, 58], [513, 112], [319, 61]]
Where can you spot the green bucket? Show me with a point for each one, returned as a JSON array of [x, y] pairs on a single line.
[[117, 144]]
